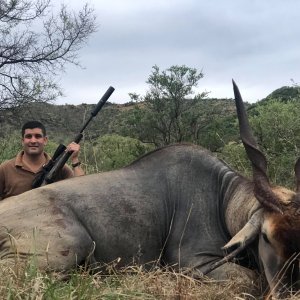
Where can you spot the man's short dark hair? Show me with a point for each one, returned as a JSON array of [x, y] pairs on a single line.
[[32, 125]]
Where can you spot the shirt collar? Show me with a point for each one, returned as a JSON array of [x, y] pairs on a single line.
[[19, 158]]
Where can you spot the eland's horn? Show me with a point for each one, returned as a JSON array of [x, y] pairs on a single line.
[[262, 188], [297, 174]]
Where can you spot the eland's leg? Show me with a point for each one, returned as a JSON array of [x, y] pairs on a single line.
[[243, 279], [249, 280], [60, 246]]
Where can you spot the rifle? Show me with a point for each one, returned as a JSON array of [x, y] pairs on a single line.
[[49, 171]]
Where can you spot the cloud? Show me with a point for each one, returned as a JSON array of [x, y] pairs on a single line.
[[254, 42]]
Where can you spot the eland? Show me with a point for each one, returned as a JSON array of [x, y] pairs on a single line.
[[178, 205]]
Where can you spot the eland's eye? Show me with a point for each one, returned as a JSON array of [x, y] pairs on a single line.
[[265, 237]]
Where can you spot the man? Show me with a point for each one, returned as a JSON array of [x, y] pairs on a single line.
[[17, 174]]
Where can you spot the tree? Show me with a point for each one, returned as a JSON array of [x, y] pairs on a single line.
[[169, 112], [276, 126], [35, 46]]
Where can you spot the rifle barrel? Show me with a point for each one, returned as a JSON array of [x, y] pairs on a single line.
[[98, 107], [62, 159]]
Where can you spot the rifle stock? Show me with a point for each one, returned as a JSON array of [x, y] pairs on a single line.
[[62, 157]]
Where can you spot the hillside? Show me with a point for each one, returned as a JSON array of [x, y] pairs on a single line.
[[64, 121], [284, 94]]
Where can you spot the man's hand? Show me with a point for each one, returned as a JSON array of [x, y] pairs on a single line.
[[74, 148]]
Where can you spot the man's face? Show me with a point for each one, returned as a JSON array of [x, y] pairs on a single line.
[[34, 141]]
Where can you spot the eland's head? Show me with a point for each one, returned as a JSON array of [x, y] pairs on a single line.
[[278, 226]]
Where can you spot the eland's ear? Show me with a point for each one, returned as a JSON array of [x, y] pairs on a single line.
[[247, 234], [262, 188]]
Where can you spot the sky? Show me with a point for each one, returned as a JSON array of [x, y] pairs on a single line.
[[256, 43]]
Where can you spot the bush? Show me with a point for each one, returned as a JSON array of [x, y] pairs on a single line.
[[10, 146], [111, 152]]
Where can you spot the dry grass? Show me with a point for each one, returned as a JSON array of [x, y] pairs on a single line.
[[130, 283], [26, 282]]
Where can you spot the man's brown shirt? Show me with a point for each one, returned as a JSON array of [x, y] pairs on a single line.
[[16, 177]]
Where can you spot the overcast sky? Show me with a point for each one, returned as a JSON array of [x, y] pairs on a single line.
[[257, 43]]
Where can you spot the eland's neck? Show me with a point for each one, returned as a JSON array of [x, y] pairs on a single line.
[[241, 206]]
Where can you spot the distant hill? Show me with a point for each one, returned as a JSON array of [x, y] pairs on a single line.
[[64, 121], [285, 94]]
